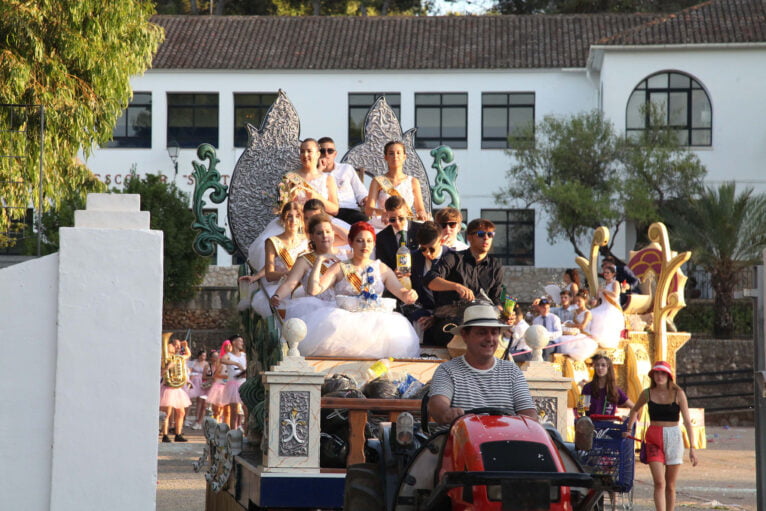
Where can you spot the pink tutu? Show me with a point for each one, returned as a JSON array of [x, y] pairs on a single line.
[[215, 394], [231, 391], [194, 389], [174, 398]]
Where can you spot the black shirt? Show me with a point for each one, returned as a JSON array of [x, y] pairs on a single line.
[[461, 267]]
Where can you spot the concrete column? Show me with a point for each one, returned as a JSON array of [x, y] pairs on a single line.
[[104, 452]]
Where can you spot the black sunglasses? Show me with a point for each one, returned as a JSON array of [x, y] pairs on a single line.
[[485, 234], [395, 218], [327, 150], [429, 250], [448, 224]]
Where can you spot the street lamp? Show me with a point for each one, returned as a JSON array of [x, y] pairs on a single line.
[[173, 150]]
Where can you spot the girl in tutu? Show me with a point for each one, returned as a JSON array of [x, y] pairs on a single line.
[[371, 331], [321, 242], [281, 253], [578, 342], [236, 365], [215, 396], [608, 321], [394, 182], [174, 400], [197, 369]]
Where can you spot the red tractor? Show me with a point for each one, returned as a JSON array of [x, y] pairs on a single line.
[[487, 460]]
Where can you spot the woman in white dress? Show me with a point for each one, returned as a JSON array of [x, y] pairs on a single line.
[[301, 185], [369, 332], [281, 253], [321, 238], [394, 182], [608, 321], [578, 343]]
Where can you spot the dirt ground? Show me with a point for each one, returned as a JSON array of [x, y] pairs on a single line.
[[723, 480]]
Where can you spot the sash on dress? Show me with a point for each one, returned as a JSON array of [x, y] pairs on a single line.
[[311, 257], [389, 188], [353, 278], [611, 300], [291, 183], [283, 252]]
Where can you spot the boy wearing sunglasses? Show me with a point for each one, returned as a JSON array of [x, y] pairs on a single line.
[[352, 194], [460, 276], [398, 230]]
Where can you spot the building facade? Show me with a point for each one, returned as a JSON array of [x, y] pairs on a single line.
[[467, 82]]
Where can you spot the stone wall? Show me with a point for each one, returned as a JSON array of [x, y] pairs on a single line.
[[525, 283]]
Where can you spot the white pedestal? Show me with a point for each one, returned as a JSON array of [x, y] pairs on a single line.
[[293, 392], [549, 391]]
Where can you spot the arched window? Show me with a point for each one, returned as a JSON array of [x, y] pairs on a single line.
[[681, 101]]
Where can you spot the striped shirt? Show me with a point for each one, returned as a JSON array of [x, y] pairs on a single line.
[[502, 386]]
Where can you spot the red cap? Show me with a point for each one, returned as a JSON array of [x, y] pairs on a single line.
[[662, 366]]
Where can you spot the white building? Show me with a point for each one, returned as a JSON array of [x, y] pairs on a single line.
[[467, 82]]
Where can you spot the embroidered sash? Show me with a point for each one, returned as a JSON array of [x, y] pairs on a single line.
[[611, 300], [311, 257], [349, 271], [299, 182], [282, 252], [387, 186]]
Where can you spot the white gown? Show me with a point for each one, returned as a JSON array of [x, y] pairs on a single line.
[[336, 332], [580, 346], [260, 301], [607, 321]]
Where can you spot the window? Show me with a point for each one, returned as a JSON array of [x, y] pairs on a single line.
[[515, 239], [193, 119], [682, 103], [134, 127], [441, 119], [358, 106], [506, 115], [250, 109]]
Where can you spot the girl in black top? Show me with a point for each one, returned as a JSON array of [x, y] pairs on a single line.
[[664, 442]]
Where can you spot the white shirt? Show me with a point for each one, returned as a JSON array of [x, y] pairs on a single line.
[[351, 191], [552, 323]]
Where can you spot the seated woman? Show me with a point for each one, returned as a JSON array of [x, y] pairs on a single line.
[[394, 182], [320, 241], [608, 321], [281, 253], [517, 346], [369, 331], [301, 186], [340, 229], [577, 341]]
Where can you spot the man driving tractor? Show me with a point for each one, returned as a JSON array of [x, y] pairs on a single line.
[[478, 379]]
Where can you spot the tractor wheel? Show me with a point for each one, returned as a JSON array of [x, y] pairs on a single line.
[[364, 489]]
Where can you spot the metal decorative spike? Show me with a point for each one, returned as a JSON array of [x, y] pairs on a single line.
[[445, 184], [271, 151], [380, 127], [209, 232]]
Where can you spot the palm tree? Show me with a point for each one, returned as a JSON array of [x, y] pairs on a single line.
[[726, 232]]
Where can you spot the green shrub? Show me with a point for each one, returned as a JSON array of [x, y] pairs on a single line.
[[697, 318]]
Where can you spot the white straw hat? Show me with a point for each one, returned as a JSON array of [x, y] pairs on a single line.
[[479, 315]]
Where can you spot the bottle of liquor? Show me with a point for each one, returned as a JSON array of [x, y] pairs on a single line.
[[404, 265]]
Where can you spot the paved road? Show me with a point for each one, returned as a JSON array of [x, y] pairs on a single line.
[[724, 479]]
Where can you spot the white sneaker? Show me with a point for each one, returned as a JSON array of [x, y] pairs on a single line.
[[197, 426]]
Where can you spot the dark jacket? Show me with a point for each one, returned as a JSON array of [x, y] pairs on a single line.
[[387, 243]]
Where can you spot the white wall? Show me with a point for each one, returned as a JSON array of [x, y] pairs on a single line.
[[79, 375], [321, 100], [28, 304], [735, 80]]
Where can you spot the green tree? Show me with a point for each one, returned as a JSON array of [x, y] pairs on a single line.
[[568, 167], [74, 59], [584, 175], [169, 208], [726, 232], [588, 6]]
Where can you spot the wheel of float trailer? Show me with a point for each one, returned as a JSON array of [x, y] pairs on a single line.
[[363, 489]]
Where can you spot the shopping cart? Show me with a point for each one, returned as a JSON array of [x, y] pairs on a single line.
[[612, 455]]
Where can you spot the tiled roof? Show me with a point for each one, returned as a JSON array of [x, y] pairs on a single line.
[[433, 42], [715, 21]]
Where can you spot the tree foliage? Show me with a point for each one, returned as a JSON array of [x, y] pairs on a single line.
[[295, 7], [726, 233], [584, 175], [169, 209], [588, 6], [75, 59]]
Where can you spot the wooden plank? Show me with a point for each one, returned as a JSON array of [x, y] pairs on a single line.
[[357, 419], [378, 405]]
